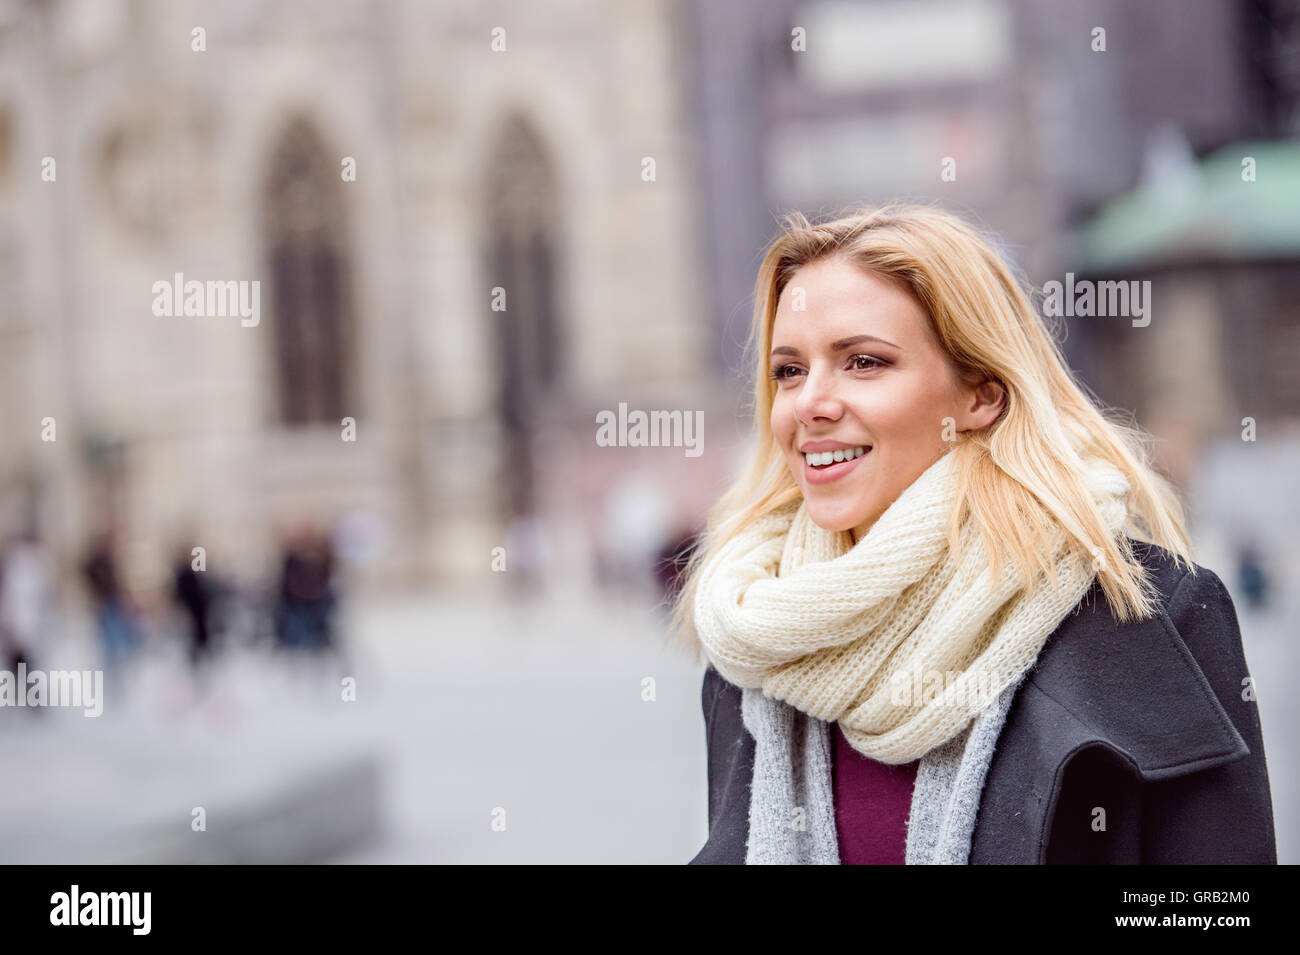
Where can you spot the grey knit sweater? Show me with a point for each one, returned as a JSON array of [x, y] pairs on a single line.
[[792, 809]]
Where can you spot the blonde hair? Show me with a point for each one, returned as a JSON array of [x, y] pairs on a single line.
[[1017, 476]]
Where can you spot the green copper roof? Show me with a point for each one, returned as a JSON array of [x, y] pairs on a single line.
[[1218, 216]]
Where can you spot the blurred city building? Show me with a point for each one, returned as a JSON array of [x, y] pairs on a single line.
[[1104, 139], [514, 253]]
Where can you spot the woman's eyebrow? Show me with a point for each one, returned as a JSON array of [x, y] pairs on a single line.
[[839, 345]]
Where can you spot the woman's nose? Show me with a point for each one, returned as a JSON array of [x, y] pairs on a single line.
[[818, 398]]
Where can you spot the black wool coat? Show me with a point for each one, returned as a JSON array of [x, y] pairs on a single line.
[[1154, 721]]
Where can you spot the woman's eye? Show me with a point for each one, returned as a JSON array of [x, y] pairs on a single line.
[[856, 363]]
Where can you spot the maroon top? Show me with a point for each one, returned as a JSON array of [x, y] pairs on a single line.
[[872, 803]]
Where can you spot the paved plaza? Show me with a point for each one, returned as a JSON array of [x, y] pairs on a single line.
[[483, 731]]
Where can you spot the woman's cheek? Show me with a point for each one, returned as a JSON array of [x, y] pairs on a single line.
[[781, 424]]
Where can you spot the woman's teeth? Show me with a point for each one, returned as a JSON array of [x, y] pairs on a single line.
[[819, 459]]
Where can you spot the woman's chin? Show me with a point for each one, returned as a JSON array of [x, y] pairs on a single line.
[[834, 519]]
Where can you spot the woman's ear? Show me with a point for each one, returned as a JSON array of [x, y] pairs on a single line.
[[984, 402]]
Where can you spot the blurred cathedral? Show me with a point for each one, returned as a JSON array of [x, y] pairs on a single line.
[[459, 252]]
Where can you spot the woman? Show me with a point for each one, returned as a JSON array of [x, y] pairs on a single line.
[[949, 610]]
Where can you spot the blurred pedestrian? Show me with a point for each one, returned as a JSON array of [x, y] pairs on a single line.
[[306, 599], [526, 553], [114, 615], [194, 593], [25, 585], [1251, 576]]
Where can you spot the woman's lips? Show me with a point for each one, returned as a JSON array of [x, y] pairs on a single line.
[[832, 472]]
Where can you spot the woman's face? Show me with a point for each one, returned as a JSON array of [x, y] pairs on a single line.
[[859, 373]]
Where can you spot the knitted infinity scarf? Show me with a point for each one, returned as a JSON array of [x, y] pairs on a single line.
[[891, 637], [792, 802]]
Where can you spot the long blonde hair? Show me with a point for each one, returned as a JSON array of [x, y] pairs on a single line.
[[1016, 477]]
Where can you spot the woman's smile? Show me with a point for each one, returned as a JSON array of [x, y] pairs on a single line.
[[826, 466]]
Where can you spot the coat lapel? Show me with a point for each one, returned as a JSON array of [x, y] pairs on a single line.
[[1133, 688]]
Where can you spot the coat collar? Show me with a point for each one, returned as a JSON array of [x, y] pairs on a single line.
[[1137, 689]]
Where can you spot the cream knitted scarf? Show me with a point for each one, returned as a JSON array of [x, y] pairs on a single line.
[[890, 637]]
